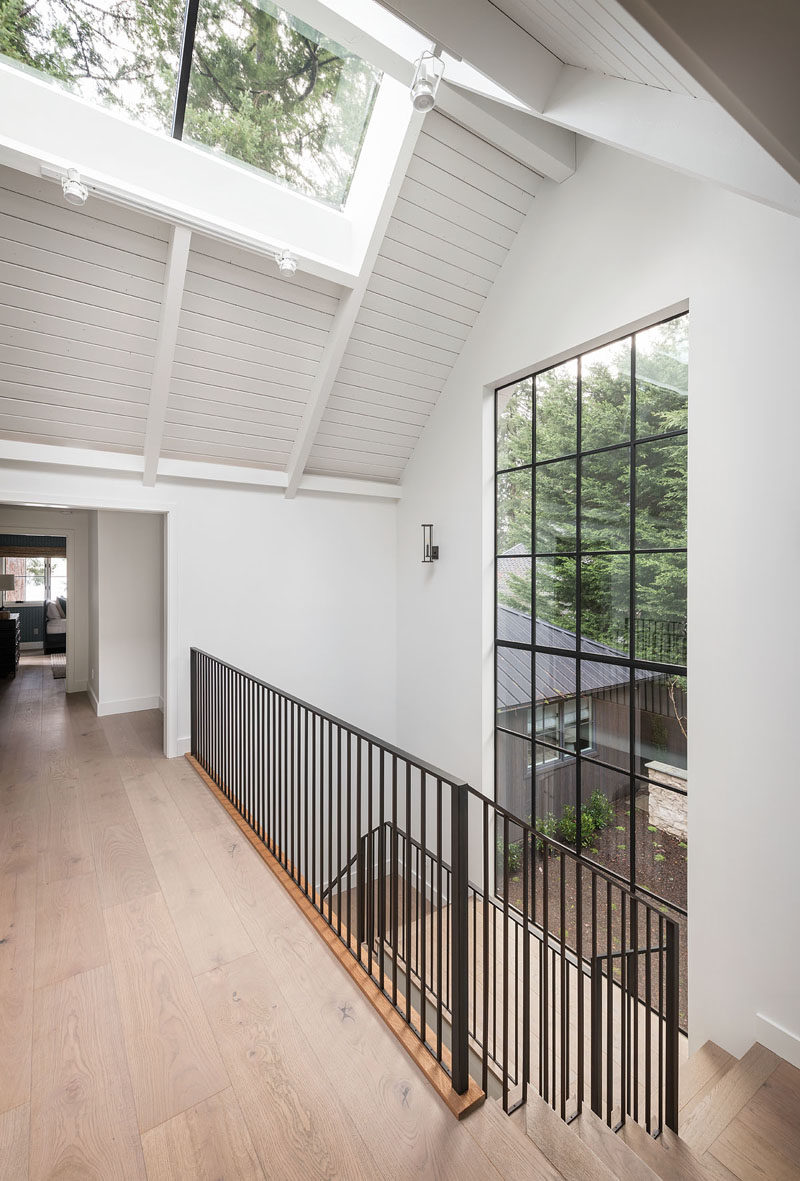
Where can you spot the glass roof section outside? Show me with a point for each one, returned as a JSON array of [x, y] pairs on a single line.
[[264, 89]]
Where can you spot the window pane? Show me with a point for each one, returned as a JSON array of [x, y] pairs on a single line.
[[34, 579], [555, 507], [555, 602], [661, 494], [661, 724], [513, 773], [514, 592], [16, 566], [606, 817], [514, 690], [554, 678], [578, 728], [605, 602], [605, 500], [116, 53], [58, 578], [515, 424], [608, 686], [514, 512], [662, 377], [270, 91], [661, 836], [606, 395], [556, 411], [661, 608]]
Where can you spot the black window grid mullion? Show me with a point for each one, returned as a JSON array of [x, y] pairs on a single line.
[[632, 625], [632, 662], [188, 30], [578, 602]]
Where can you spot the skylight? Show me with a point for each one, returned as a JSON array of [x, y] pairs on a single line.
[[264, 89]]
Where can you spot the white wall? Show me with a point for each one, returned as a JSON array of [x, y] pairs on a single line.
[[126, 611], [300, 592], [75, 526], [620, 240]]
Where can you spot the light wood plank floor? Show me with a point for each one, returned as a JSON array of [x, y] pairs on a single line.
[[165, 1010]]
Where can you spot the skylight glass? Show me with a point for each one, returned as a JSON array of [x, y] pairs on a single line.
[[122, 54], [265, 89], [269, 91]]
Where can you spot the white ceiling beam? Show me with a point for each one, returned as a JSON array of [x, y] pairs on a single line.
[[112, 463], [689, 135], [743, 53], [547, 149], [484, 36], [174, 279], [345, 318]]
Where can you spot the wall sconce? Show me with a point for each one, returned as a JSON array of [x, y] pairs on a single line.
[[430, 552]]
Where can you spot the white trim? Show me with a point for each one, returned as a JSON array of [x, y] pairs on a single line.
[[50, 455], [182, 747], [346, 313], [778, 1038], [93, 699], [134, 705]]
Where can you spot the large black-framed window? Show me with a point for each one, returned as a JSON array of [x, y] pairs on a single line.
[[591, 482]]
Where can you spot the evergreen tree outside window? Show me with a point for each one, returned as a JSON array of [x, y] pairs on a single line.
[[591, 601], [265, 89]]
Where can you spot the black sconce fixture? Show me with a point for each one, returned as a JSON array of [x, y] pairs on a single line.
[[430, 552]]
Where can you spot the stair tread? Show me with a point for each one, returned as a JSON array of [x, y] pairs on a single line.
[[723, 1101], [669, 1157], [751, 1155], [611, 1148], [561, 1144], [703, 1070], [505, 1143]]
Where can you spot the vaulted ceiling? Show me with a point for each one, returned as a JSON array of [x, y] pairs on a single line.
[[82, 294], [127, 332]]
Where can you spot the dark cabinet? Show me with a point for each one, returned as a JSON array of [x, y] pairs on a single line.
[[9, 646]]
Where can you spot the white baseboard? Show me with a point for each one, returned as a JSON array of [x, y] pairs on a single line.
[[94, 702], [104, 708], [76, 686], [184, 746], [778, 1038], [161, 704]]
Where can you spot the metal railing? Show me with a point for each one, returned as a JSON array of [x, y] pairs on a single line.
[[488, 938]]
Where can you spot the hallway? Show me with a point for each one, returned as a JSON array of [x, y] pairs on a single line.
[[165, 1009]]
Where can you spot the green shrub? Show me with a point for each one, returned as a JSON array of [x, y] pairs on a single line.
[[568, 827], [513, 856], [600, 809], [548, 827]]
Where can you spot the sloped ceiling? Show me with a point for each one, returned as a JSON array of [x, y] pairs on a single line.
[[81, 295]]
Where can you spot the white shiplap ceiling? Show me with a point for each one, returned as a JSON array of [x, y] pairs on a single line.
[[456, 216], [599, 35], [80, 297], [81, 294]]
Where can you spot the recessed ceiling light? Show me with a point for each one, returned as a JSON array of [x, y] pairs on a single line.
[[427, 76], [75, 191], [287, 263]]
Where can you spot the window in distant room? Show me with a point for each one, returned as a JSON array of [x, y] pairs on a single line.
[[591, 607]]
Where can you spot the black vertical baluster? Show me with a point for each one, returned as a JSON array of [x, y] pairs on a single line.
[[648, 1078], [554, 1036], [338, 868], [610, 1011], [349, 812], [596, 1014], [314, 797], [393, 882], [488, 827], [626, 1040], [672, 1019], [370, 889], [330, 823], [526, 965], [562, 870], [660, 1022], [407, 870], [579, 979], [545, 981], [505, 966], [306, 862], [633, 988], [424, 885], [439, 904], [459, 954]]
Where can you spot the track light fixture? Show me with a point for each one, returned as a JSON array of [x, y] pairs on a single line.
[[428, 72], [74, 190], [287, 263]]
